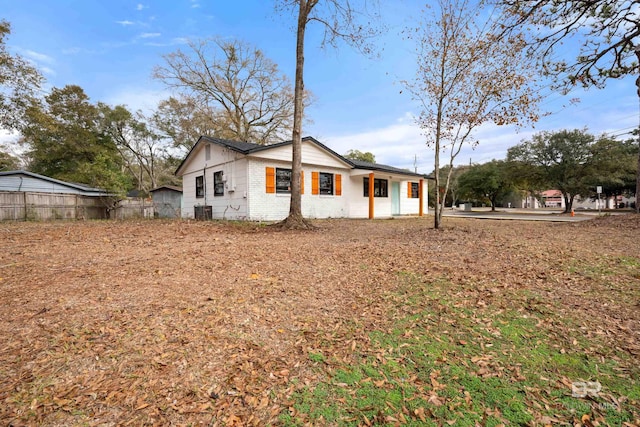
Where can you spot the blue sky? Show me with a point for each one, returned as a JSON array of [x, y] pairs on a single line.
[[110, 48]]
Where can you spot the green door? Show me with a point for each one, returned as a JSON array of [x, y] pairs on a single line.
[[395, 198]]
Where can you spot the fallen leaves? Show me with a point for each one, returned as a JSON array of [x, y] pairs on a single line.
[[159, 322]]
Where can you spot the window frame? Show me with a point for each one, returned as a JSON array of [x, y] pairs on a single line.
[[280, 189], [326, 191], [377, 187], [200, 187], [415, 190], [218, 183]]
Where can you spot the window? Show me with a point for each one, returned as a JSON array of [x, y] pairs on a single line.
[[218, 183], [200, 186], [326, 183], [283, 180], [413, 190], [380, 187]]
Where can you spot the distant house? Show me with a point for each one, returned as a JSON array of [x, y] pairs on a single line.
[[241, 180], [27, 195], [552, 199], [167, 201]]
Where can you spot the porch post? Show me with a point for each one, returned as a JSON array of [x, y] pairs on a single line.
[[421, 198], [371, 195]]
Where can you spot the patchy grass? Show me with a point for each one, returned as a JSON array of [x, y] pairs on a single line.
[[355, 323], [452, 363]]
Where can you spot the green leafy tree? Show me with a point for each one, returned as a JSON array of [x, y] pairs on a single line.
[[7, 161], [489, 181], [564, 158], [65, 141], [613, 167], [469, 73], [608, 32], [19, 83], [359, 155]]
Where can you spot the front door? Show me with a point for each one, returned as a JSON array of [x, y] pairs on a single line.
[[395, 198]]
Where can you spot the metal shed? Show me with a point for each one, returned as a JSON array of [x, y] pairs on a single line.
[[167, 201]]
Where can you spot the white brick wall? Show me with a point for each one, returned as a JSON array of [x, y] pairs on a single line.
[[275, 207], [246, 176]]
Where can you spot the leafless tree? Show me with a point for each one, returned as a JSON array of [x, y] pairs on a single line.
[[468, 74], [341, 20], [249, 96]]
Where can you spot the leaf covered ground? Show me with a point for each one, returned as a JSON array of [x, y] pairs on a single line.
[[384, 322]]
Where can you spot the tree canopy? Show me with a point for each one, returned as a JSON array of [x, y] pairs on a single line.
[[64, 140], [359, 155], [488, 181], [564, 157], [242, 91], [19, 83]]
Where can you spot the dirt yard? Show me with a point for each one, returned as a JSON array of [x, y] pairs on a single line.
[[183, 322]]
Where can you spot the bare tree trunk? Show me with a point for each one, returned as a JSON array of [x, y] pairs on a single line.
[[637, 50], [295, 219], [436, 168]]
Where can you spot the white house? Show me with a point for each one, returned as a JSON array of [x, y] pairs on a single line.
[[240, 180]]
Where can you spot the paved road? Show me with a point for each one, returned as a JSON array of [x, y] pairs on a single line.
[[520, 215]]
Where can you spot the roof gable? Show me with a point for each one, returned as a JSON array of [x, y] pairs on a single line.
[[248, 148]]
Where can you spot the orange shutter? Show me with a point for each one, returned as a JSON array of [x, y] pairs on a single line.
[[315, 182], [271, 180], [301, 182], [338, 184], [409, 193]]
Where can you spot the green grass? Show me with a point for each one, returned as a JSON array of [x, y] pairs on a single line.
[[448, 361]]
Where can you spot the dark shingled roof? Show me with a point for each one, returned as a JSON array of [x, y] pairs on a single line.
[[359, 164], [249, 147]]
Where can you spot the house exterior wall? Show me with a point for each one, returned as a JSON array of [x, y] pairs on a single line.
[[274, 206], [382, 206], [311, 155], [246, 196], [233, 203]]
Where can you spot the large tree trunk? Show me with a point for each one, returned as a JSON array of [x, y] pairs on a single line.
[[637, 49], [295, 220], [638, 173]]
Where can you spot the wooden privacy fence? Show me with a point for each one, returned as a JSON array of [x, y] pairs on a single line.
[[28, 206]]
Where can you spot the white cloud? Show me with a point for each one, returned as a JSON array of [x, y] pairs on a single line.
[[195, 4], [48, 71], [78, 50], [37, 56], [402, 144], [173, 42], [140, 6], [125, 23], [137, 98], [395, 144], [149, 35]]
